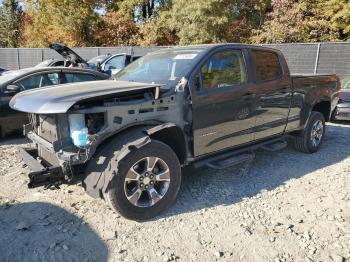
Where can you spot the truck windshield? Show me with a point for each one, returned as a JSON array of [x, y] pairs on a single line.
[[163, 67]]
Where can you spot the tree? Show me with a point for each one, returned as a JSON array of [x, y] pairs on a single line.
[[337, 12], [216, 21], [73, 22], [142, 10], [305, 21], [116, 29], [10, 20], [203, 21], [156, 32]]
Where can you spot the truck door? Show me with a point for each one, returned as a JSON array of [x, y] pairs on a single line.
[[274, 90], [223, 102]]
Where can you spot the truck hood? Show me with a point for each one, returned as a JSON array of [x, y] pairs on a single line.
[[60, 98], [67, 53]]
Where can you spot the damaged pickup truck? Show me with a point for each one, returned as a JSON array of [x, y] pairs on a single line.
[[208, 105]]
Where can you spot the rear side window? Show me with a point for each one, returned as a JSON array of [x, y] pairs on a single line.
[[59, 63], [267, 65], [72, 78], [223, 69]]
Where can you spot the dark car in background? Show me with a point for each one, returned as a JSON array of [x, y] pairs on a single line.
[[30, 78], [342, 111]]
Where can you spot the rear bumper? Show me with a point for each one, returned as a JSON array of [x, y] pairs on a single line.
[[39, 174], [342, 112]]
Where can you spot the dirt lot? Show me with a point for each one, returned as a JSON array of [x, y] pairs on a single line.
[[284, 206]]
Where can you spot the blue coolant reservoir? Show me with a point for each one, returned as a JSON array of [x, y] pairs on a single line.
[[78, 130]]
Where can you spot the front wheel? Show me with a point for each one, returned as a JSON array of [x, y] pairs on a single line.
[[310, 140], [146, 183]]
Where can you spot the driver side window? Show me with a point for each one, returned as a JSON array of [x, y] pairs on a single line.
[[223, 69], [29, 83], [115, 63], [40, 80]]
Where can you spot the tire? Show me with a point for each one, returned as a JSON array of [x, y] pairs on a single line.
[[304, 141], [333, 116], [118, 188]]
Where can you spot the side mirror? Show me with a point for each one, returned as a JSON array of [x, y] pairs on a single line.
[[12, 89], [98, 66]]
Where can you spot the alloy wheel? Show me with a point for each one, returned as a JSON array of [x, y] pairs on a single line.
[[147, 181]]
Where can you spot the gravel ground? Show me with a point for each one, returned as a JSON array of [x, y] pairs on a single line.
[[284, 206]]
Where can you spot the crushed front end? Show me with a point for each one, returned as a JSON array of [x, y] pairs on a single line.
[[53, 157], [68, 123]]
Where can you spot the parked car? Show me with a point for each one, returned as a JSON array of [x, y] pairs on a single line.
[[208, 105], [29, 78], [2, 70], [342, 111], [51, 63], [111, 64]]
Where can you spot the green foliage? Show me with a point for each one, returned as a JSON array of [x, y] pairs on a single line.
[[337, 12], [305, 21], [157, 32], [115, 30], [10, 19], [73, 22], [169, 22], [200, 21]]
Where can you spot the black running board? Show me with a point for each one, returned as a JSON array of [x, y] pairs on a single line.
[[231, 161], [275, 146], [234, 157]]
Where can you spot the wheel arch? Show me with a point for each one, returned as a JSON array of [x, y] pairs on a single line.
[[173, 136], [96, 182], [324, 107]]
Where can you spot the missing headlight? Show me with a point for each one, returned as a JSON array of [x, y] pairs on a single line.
[[94, 122]]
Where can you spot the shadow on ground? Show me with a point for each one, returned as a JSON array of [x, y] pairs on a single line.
[[205, 188], [43, 232]]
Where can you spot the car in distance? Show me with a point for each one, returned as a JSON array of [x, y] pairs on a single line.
[[111, 64], [342, 111], [206, 105], [29, 78], [51, 63]]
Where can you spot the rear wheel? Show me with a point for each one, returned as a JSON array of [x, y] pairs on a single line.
[[146, 183], [310, 140]]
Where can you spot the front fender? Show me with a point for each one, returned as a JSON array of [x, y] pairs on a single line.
[[96, 179]]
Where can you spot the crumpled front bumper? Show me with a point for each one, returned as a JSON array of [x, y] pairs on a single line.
[[40, 174], [342, 111]]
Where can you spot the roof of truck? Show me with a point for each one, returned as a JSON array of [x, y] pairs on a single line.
[[212, 46]]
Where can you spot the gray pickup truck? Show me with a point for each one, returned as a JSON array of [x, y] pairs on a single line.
[[207, 105]]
